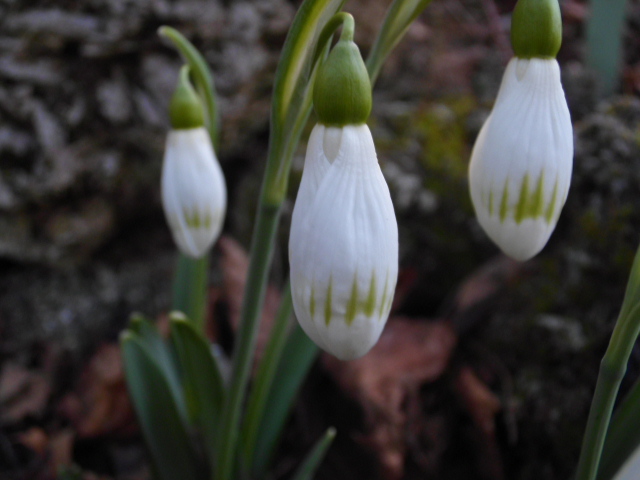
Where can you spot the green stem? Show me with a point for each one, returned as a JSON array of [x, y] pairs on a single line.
[[340, 18], [261, 252], [265, 375], [612, 370], [202, 76], [190, 289], [605, 29]]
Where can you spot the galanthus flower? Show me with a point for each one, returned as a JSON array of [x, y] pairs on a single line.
[[194, 194], [343, 247], [521, 163]]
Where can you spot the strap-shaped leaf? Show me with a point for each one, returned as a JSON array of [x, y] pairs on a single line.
[[291, 104], [295, 362], [310, 464], [201, 379], [161, 353], [165, 433], [623, 436], [399, 16], [264, 379]]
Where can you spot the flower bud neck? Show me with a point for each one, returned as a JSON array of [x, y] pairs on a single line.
[[185, 110], [536, 29], [342, 89]]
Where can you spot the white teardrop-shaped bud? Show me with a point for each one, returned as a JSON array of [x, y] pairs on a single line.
[[343, 248], [194, 194], [521, 163]]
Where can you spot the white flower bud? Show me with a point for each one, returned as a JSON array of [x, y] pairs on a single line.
[[343, 248], [521, 163], [194, 194]]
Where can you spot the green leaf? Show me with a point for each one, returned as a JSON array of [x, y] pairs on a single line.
[[632, 293], [202, 382], [165, 433], [399, 16], [296, 360], [310, 464], [623, 436], [264, 379], [160, 352], [291, 104]]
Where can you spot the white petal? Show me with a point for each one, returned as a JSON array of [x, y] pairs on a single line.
[[194, 193], [630, 470], [344, 246], [526, 148]]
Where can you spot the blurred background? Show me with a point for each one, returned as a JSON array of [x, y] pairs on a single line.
[[486, 368]]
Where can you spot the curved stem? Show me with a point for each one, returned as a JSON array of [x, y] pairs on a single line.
[[396, 22], [202, 76], [612, 370]]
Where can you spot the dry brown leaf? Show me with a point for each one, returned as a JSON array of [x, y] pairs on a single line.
[[483, 285], [61, 449], [235, 264], [100, 405], [409, 354], [483, 406], [35, 439], [22, 392], [481, 403]]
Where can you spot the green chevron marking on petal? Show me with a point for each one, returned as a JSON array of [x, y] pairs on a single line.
[[312, 302], [370, 302], [550, 213], [327, 303], [352, 304], [537, 199], [504, 203], [194, 220], [530, 205], [384, 294], [521, 206], [491, 203]]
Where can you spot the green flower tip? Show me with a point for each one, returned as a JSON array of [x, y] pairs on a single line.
[[342, 90], [185, 110], [536, 29]]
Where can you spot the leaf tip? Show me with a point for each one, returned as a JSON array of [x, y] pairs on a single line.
[[178, 316]]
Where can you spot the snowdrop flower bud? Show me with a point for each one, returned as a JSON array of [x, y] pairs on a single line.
[[194, 193], [343, 247], [521, 163]]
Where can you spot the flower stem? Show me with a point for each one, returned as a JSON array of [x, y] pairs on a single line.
[[261, 252], [190, 289], [202, 76], [612, 370]]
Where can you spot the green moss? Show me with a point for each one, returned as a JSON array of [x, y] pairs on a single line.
[[444, 140]]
